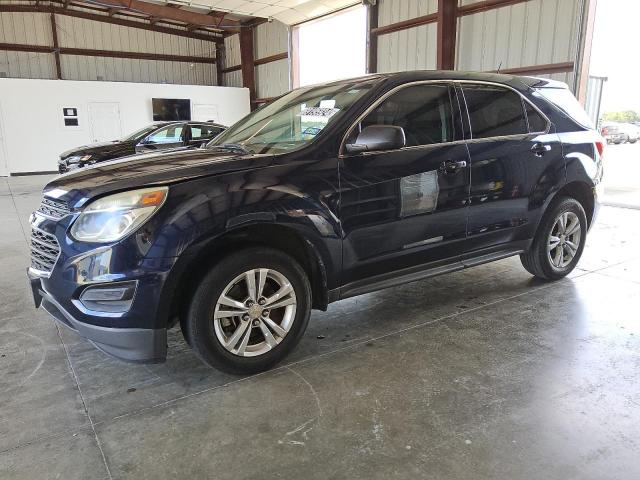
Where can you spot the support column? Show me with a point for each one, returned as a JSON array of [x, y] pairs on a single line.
[[447, 26], [372, 38], [56, 47], [247, 60], [219, 62]]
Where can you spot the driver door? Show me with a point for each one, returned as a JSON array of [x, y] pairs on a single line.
[[405, 210], [171, 136]]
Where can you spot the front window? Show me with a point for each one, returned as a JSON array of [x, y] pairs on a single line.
[[139, 134], [170, 134], [294, 120]]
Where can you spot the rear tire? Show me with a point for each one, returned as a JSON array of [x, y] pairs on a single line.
[[249, 311], [559, 241]]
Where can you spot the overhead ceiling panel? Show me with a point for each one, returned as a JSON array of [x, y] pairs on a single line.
[[286, 11]]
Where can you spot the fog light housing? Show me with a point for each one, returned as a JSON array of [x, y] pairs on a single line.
[[109, 298]]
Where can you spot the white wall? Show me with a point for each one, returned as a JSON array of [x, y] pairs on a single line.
[[33, 125]]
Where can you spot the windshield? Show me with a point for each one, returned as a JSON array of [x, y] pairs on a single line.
[[294, 120], [140, 133]]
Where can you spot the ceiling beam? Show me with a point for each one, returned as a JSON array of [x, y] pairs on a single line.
[[86, 52], [486, 5], [107, 19], [411, 23], [165, 11]]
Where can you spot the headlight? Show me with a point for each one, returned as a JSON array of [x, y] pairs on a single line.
[[111, 218], [77, 158]]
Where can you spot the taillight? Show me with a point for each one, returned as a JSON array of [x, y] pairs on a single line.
[[600, 147]]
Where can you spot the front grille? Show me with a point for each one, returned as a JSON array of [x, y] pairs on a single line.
[[55, 209], [44, 251]]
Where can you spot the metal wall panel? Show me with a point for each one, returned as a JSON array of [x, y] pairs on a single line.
[[393, 11], [272, 79], [231, 51], [536, 32], [411, 49], [270, 38], [233, 79], [595, 87], [35, 29]]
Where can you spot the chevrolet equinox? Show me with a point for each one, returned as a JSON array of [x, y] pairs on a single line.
[[327, 192]]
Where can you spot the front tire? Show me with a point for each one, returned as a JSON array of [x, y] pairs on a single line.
[[249, 311], [559, 241]]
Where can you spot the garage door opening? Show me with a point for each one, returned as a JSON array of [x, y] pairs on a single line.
[[619, 112], [330, 48]]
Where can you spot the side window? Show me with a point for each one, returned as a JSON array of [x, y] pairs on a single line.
[[494, 111], [423, 111], [199, 132], [170, 134], [537, 123]]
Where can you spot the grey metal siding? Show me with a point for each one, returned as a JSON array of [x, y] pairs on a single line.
[[272, 79], [35, 29]]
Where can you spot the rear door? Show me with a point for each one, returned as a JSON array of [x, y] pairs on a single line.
[[515, 163], [406, 208]]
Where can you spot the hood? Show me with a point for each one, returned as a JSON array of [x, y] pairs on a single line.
[[100, 149], [79, 186]]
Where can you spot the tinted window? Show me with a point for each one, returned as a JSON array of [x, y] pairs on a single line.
[[170, 134], [423, 111], [494, 111], [537, 123], [564, 99], [204, 131]]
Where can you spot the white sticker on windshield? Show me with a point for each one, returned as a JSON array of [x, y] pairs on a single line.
[[319, 112]]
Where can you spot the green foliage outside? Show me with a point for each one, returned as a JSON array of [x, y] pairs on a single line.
[[627, 116]]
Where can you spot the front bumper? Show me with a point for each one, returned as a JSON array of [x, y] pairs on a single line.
[[141, 345]]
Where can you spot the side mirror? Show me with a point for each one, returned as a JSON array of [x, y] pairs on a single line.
[[378, 137]]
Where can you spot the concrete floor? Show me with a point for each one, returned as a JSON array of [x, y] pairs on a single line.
[[484, 373]]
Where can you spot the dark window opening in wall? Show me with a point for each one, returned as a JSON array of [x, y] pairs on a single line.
[[70, 122], [321, 54], [70, 112]]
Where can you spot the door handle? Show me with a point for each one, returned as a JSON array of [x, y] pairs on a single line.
[[451, 166], [539, 149]]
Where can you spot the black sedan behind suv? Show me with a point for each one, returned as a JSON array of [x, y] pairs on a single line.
[[328, 192], [157, 136]]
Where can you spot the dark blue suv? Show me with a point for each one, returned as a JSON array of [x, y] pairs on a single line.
[[327, 192]]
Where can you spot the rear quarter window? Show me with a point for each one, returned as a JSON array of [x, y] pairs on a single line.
[[565, 101]]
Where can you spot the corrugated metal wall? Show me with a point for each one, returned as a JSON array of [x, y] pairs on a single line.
[[272, 79], [411, 49], [32, 29], [35, 29], [595, 87], [231, 59], [536, 32]]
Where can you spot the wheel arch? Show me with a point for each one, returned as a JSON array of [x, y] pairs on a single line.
[[583, 193], [194, 264]]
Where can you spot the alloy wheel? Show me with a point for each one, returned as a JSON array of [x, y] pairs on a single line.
[[564, 239], [255, 312]]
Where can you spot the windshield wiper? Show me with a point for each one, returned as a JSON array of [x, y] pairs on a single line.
[[233, 147]]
